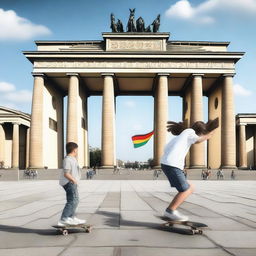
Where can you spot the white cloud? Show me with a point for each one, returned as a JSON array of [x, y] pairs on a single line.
[[19, 96], [12, 98], [239, 90], [130, 103], [204, 12], [6, 87], [13, 26]]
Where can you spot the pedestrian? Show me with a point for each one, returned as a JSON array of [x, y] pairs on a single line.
[[233, 176]]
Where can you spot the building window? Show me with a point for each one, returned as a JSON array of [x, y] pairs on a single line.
[[186, 107], [83, 123], [52, 124], [216, 103], [53, 102]]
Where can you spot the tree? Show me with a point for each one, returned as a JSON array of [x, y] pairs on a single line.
[[120, 163], [151, 162], [95, 157]]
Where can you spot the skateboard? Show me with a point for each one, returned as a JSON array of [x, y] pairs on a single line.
[[193, 227], [65, 229]]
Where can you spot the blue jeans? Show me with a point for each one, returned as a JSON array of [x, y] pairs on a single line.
[[176, 177], [72, 200]]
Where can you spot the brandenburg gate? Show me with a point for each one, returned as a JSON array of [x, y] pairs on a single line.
[[130, 63]]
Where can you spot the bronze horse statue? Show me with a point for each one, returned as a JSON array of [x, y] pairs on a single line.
[[113, 25], [120, 27], [140, 25], [156, 23], [130, 25]]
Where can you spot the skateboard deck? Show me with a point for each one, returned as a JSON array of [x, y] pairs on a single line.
[[193, 227], [65, 229]]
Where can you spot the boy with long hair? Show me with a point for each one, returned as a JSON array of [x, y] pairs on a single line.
[[172, 161]]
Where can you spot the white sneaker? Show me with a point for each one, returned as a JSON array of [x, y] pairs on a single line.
[[78, 221], [65, 222], [175, 216]]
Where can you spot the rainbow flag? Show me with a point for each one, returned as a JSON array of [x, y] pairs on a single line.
[[140, 140]]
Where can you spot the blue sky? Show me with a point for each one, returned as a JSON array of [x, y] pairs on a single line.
[[23, 21]]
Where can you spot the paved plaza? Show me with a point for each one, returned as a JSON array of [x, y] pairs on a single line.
[[124, 216]]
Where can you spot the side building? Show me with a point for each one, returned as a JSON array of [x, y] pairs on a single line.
[[14, 138], [246, 140]]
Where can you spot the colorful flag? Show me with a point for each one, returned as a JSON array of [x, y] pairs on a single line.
[[140, 140]]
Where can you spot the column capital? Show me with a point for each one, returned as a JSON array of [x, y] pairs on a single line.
[[107, 74], [197, 74], [16, 123], [242, 124], [72, 74], [2, 123], [34, 74], [228, 75], [163, 74]]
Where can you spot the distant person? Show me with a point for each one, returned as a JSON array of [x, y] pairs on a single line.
[[221, 174], [69, 178], [156, 174], [91, 174], [233, 176], [185, 172], [209, 174], [172, 161], [87, 174], [218, 174], [203, 175]]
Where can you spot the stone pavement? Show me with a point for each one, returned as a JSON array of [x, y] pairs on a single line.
[[124, 215]]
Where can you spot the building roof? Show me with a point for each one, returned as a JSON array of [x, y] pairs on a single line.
[[15, 112], [246, 115]]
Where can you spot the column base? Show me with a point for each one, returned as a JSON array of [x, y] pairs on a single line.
[[157, 167], [36, 167], [242, 168], [228, 167], [197, 167], [107, 167]]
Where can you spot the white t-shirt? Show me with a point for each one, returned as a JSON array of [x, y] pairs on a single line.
[[177, 148], [70, 165]]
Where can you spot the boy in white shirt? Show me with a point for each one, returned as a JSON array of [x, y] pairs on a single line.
[[172, 161], [69, 178]]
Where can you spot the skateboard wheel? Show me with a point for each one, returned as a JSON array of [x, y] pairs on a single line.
[[197, 231], [65, 232]]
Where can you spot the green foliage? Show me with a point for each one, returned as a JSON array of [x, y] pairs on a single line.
[[151, 162], [95, 157]]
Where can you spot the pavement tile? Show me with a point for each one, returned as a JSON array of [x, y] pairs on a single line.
[[42, 251], [233, 239]]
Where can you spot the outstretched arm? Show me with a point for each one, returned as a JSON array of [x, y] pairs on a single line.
[[204, 137]]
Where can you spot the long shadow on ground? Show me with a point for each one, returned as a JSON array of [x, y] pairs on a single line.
[[14, 229], [114, 216]]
